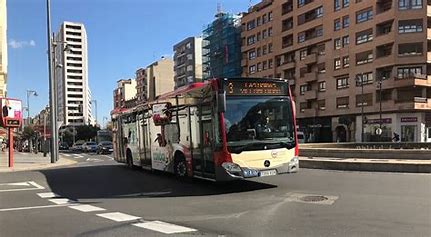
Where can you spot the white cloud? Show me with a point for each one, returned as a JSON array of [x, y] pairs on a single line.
[[21, 44]]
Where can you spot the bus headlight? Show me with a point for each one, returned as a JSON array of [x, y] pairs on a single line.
[[232, 168]]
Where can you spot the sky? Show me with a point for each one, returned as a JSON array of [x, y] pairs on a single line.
[[123, 35]]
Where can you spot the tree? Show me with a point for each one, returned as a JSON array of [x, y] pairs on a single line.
[[86, 132], [28, 133]]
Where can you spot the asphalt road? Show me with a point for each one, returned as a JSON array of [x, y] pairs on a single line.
[[97, 197]]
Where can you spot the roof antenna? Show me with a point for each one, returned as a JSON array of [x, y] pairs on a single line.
[[219, 10]]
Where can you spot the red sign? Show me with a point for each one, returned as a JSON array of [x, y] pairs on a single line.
[[409, 119]]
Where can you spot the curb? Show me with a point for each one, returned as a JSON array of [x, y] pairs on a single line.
[[365, 166], [61, 162]]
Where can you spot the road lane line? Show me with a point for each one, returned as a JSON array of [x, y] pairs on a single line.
[[60, 201], [16, 184], [87, 208], [118, 216], [67, 155], [34, 207], [48, 195], [79, 156], [164, 227], [36, 185]]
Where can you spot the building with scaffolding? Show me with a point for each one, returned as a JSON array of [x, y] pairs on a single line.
[[221, 47]]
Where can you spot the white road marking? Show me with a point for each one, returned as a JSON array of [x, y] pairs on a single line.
[[109, 157], [87, 208], [26, 183], [34, 207], [118, 216], [47, 195], [61, 200], [93, 159], [36, 185], [164, 227], [78, 156], [17, 184], [67, 155]]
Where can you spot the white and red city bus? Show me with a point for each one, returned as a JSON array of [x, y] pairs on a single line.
[[220, 129]]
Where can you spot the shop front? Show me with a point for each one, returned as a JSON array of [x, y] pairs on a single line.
[[316, 129]]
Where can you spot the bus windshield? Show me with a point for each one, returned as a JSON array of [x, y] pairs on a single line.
[[258, 123]]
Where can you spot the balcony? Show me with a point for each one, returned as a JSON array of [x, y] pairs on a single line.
[[418, 103], [310, 95], [310, 59], [428, 33], [310, 76]]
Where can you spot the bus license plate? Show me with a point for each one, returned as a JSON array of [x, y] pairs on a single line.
[[268, 173]]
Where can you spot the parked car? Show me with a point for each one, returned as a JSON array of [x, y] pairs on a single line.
[[89, 147], [104, 148], [63, 146], [77, 146]]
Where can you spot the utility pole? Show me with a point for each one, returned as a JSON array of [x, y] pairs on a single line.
[[52, 89], [380, 109]]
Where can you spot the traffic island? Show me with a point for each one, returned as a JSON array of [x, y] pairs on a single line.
[[360, 164]]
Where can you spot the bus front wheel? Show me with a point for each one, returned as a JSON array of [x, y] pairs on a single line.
[[180, 165]]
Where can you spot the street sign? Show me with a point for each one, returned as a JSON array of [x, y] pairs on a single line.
[[379, 131]]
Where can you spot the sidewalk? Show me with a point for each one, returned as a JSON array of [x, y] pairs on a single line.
[[30, 161], [362, 164]]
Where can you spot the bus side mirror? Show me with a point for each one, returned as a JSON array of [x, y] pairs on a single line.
[[221, 102]]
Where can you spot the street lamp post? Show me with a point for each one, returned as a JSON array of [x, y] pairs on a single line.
[[29, 93], [380, 108], [360, 80]]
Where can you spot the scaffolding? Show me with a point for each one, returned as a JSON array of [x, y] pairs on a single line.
[[221, 47]]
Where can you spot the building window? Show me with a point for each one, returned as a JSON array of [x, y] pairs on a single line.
[[264, 19], [364, 57], [319, 12], [258, 21], [321, 104], [264, 52], [364, 15], [301, 37], [270, 63], [364, 100], [258, 36], [409, 72], [410, 49], [302, 54], [346, 3], [346, 21], [322, 86], [337, 63], [364, 78], [364, 36], [251, 25], [409, 4], [304, 88], [259, 67], [346, 63], [410, 26], [337, 25], [270, 31], [270, 16], [264, 34], [251, 40], [252, 69], [303, 106], [343, 82], [337, 5], [264, 65], [343, 102], [251, 54], [270, 48], [345, 40], [337, 43], [258, 52]]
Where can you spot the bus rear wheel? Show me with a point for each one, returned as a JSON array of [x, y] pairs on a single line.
[[180, 167]]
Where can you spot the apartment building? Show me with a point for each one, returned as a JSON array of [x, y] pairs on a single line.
[[352, 64], [221, 47], [188, 61], [141, 85], [71, 75], [125, 92], [160, 76], [3, 48]]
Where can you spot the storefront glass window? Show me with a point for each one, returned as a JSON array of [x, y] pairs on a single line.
[[408, 133]]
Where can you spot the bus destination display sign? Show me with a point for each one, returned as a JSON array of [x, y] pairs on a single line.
[[238, 87]]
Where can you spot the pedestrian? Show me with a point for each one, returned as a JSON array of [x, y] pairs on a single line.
[[396, 137]]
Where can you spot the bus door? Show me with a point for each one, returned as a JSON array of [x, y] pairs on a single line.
[[146, 145], [206, 140]]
